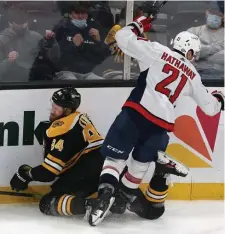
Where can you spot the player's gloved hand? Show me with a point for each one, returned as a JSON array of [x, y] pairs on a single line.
[[220, 97], [21, 179], [141, 24]]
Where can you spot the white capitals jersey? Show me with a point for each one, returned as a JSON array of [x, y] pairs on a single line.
[[165, 77]]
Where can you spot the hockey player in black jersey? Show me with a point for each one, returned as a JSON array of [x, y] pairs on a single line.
[[72, 155]]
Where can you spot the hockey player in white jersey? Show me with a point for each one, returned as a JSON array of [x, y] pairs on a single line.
[[146, 117]]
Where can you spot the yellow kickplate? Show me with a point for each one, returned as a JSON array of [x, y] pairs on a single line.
[[179, 191]]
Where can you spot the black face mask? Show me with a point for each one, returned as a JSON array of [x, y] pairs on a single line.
[[20, 31]]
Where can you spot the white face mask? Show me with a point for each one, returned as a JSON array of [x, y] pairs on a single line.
[[213, 21], [79, 23]]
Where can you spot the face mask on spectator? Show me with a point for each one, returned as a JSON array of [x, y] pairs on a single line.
[[79, 23], [213, 21], [20, 30]]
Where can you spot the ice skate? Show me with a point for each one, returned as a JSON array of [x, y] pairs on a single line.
[[102, 206], [165, 164]]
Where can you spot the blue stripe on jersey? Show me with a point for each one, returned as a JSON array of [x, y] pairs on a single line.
[[137, 93]]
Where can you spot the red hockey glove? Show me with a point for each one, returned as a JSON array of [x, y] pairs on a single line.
[[141, 24]]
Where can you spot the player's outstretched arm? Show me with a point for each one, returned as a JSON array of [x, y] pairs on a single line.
[[130, 42], [26, 174], [210, 103], [46, 172]]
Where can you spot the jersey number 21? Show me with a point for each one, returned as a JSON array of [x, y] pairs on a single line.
[[161, 86]]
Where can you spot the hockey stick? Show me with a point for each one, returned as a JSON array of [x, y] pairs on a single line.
[[17, 194], [158, 9]]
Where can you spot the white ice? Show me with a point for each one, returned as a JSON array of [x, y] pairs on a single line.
[[196, 217]]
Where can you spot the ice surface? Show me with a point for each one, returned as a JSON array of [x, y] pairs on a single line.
[[196, 217]]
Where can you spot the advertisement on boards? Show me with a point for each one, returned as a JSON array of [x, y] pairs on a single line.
[[198, 139]]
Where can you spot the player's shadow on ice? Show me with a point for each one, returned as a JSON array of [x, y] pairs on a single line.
[[125, 218]]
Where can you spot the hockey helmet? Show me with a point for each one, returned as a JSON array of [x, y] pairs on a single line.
[[186, 41], [67, 97]]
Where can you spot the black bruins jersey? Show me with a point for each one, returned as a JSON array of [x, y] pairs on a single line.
[[67, 140]]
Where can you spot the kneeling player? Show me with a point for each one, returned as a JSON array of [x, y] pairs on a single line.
[[72, 154]]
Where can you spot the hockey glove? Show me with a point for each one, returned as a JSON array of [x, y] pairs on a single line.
[[220, 97], [21, 179], [140, 25]]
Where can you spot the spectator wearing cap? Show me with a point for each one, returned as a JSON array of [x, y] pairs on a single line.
[[81, 44], [20, 47], [211, 36]]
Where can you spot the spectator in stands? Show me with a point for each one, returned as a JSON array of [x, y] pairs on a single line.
[[64, 7], [3, 18], [212, 38], [82, 45], [41, 14], [101, 12], [98, 10], [21, 47]]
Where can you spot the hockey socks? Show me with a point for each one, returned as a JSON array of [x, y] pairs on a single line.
[[157, 191], [63, 205], [129, 185], [134, 175], [110, 174], [151, 204]]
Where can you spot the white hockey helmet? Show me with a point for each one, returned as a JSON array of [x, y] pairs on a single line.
[[186, 41]]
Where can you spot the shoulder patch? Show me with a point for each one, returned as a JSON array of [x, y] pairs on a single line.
[[63, 125], [57, 123], [90, 133]]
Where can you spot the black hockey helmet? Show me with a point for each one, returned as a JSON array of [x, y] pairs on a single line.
[[67, 97]]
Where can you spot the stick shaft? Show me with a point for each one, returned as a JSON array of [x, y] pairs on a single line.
[[159, 8], [17, 194]]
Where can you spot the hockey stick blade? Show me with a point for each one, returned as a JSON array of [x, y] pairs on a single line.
[[17, 194]]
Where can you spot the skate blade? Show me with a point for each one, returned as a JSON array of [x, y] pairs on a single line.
[[95, 219], [87, 214], [180, 167]]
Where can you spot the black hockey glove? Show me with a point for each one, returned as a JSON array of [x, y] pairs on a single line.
[[21, 179], [220, 97]]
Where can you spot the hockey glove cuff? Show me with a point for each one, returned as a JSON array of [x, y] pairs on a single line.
[[220, 97], [22, 178], [140, 25]]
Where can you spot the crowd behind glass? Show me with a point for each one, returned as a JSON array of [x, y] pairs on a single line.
[[59, 40]]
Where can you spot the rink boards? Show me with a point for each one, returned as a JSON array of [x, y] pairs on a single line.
[[198, 140]]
